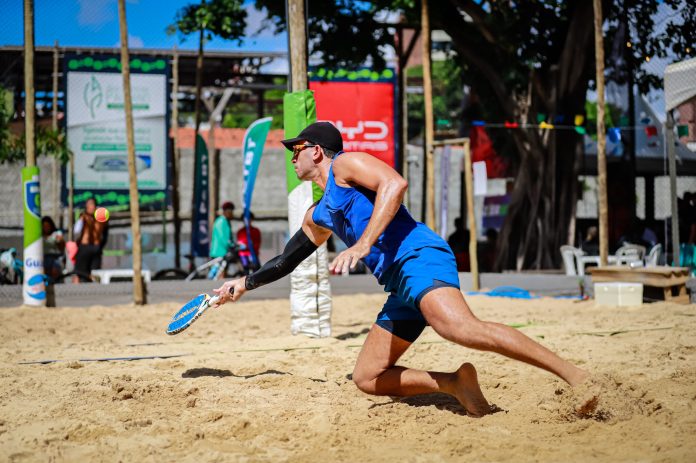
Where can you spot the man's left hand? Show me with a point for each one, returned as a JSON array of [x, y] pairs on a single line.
[[348, 259]]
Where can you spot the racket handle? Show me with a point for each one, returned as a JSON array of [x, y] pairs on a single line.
[[213, 300]]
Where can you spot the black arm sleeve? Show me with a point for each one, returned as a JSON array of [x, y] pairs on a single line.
[[298, 249]]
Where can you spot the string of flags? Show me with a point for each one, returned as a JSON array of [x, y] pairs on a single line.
[[613, 133]]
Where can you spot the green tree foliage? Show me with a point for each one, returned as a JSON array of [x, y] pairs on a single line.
[[447, 98], [12, 147], [222, 18], [521, 60]]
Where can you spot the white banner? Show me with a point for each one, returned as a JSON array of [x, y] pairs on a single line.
[[97, 130], [480, 178]]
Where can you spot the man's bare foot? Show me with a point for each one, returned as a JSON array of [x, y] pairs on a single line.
[[579, 377], [468, 391]]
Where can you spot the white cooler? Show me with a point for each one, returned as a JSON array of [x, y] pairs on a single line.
[[618, 294]]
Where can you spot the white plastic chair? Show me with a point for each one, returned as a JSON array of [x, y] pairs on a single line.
[[653, 256], [569, 253], [630, 253]]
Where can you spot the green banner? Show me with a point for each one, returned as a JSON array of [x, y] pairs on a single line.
[[299, 110], [33, 291]]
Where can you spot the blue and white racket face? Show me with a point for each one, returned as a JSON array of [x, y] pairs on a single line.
[[188, 314]]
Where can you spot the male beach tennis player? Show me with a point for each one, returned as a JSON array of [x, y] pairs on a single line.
[[362, 205]]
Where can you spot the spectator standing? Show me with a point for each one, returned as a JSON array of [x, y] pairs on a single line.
[[91, 237], [53, 247]]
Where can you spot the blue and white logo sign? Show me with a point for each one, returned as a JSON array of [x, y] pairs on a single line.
[[32, 196], [36, 287]]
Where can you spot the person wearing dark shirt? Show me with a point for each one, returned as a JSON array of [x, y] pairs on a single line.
[[459, 242]]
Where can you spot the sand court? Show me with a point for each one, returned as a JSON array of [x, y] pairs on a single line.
[[240, 388]]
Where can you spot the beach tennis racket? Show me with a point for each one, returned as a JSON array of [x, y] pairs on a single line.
[[190, 312]]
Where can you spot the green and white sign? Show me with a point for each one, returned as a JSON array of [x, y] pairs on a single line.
[[34, 289], [97, 129]]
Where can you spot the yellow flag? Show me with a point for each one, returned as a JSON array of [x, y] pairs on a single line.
[[579, 119]]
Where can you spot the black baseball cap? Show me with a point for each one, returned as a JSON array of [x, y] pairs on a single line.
[[319, 133]]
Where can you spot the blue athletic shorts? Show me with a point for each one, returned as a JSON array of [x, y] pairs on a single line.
[[407, 281]]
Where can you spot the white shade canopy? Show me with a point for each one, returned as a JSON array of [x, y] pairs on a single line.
[[680, 83]]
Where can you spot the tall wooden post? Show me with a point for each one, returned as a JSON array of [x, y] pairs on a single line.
[[669, 142], [213, 174], [176, 159], [34, 291], [29, 97], [138, 288], [297, 36], [473, 233], [197, 125], [54, 126], [601, 137], [403, 109], [429, 128]]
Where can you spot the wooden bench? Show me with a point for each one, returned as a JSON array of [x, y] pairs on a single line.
[[105, 276], [670, 281]]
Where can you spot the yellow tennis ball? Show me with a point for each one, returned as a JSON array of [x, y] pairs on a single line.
[[101, 214]]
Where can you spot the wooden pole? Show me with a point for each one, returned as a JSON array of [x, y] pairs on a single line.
[[601, 137], [176, 159], [212, 175], [669, 142], [54, 126], [138, 288], [29, 97], [197, 125], [403, 110], [71, 196], [297, 34], [429, 129], [473, 234]]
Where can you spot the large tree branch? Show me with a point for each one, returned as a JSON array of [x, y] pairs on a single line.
[[578, 43], [478, 16], [452, 22]]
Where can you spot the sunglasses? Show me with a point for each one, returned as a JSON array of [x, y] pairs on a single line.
[[297, 149]]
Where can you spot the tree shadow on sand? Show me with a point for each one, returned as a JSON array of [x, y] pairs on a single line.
[[217, 373]]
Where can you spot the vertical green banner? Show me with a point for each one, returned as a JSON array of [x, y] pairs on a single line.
[[299, 111], [252, 150], [34, 289], [310, 290]]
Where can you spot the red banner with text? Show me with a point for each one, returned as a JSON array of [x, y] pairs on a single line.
[[362, 111]]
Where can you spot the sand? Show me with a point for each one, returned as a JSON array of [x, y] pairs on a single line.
[[244, 389]]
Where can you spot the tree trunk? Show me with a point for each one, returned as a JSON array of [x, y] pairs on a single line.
[[544, 198], [138, 288]]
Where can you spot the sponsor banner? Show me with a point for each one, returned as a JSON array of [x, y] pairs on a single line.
[[364, 113], [254, 141], [96, 126], [33, 290], [200, 243]]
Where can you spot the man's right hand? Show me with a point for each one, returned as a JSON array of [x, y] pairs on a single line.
[[231, 291]]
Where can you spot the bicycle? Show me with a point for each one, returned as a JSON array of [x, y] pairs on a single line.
[[213, 269], [12, 270]]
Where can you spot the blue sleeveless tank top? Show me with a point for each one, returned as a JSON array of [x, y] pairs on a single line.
[[347, 210]]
